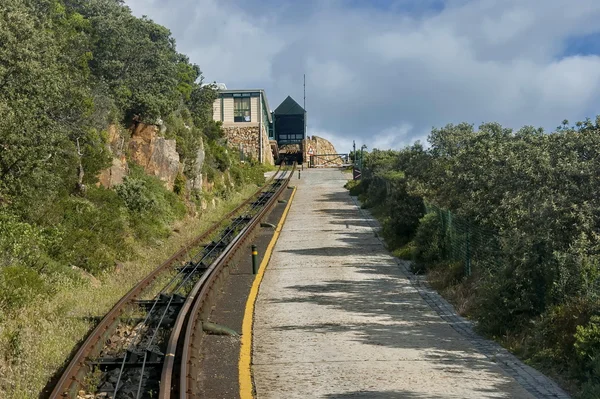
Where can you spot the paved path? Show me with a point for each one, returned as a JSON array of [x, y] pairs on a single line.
[[338, 317]]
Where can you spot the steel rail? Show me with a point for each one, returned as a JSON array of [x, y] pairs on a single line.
[[190, 311], [179, 281], [225, 239], [71, 379]]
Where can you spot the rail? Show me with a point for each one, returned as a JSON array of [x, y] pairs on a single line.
[[74, 375], [180, 347]]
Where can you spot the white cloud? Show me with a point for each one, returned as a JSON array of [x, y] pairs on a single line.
[[386, 77]]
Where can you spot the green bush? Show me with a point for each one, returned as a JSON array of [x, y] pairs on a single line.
[[136, 196], [179, 185], [428, 241], [587, 346], [151, 206], [407, 252], [20, 243], [19, 286], [93, 230], [354, 187], [553, 336]]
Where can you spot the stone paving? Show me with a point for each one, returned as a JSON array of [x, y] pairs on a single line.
[[338, 317]]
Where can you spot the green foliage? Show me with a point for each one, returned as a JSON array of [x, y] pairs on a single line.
[[385, 187], [93, 230], [517, 213], [20, 243], [552, 338], [136, 195], [71, 70], [39, 100], [179, 184], [136, 57], [151, 207], [428, 242], [354, 187], [20, 286], [587, 344], [407, 252]]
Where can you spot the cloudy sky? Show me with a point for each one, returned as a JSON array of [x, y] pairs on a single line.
[[383, 72]]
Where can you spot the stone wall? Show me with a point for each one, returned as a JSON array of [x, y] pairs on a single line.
[[245, 139], [320, 146], [266, 146]]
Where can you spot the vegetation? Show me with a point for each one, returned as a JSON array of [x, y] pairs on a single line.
[[506, 223], [70, 71]]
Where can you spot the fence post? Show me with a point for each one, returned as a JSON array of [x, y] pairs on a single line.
[[468, 254]]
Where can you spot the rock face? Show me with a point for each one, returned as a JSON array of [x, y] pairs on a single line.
[[320, 146], [114, 175], [157, 155], [118, 170], [195, 181], [246, 140]]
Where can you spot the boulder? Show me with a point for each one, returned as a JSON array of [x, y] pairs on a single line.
[[320, 146]]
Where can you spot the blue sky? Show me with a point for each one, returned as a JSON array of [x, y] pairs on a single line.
[[385, 72]]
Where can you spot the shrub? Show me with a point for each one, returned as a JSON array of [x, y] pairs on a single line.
[[407, 252], [354, 186], [179, 185], [587, 346], [19, 286], [553, 336], [428, 241], [20, 242], [93, 230]]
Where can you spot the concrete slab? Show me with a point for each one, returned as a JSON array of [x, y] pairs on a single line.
[[337, 317]]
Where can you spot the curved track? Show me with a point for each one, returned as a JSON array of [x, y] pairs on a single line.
[[176, 379], [186, 291]]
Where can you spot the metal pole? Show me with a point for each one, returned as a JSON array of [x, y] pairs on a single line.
[[468, 255], [298, 173], [254, 260], [361, 160]]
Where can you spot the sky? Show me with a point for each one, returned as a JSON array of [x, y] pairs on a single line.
[[384, 72]]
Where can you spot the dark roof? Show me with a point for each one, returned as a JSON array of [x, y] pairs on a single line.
[[289, 107]]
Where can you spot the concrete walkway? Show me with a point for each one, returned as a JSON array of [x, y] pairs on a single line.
[[338, 317]]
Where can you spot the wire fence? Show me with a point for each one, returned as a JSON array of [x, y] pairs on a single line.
[[477, 248]]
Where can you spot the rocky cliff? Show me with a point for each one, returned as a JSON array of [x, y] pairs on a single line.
[[118, 170], [157, 155], [196, 180]]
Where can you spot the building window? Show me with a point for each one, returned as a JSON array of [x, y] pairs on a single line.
[[241, 109]]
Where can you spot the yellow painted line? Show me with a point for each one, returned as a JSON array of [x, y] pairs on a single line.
[[245, 362]]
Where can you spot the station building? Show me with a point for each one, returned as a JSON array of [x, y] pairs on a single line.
[[257, 132]]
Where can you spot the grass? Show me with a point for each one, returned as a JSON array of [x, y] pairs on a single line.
[[35, 342], [448, 280]]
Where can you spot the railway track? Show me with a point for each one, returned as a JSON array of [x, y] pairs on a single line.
[[144, 347]]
